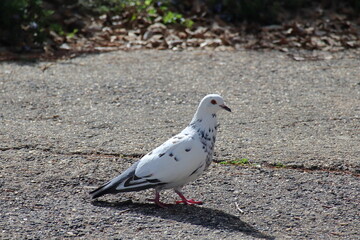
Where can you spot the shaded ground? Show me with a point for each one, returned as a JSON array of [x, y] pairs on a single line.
[[70, 125]]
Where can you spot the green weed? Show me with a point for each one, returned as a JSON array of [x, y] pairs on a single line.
[[242, 161], [279, 165]]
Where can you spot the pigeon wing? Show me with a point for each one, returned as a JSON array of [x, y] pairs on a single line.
[[174, 161]]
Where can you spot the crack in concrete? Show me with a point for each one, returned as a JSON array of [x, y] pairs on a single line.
[[313, 169], [80, 153], [355, 173], [26, 146]]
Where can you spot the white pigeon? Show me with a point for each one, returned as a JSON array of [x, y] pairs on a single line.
[[178, 161]]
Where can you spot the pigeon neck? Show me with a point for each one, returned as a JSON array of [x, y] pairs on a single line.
[[203, 119]]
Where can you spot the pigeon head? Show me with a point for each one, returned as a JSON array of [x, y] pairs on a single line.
[[212, 103]]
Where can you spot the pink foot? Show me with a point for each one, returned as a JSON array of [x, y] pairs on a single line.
[[186, 201], [157, 201]]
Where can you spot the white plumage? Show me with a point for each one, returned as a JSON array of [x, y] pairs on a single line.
[[176, 162]]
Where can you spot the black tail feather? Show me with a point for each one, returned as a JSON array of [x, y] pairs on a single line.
[[110, 187], [125, 178], [100, 191]]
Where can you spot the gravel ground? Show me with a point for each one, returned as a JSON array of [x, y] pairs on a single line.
[[68, 126]]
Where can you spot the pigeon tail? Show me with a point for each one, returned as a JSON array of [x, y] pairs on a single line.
[[100, 191], [110, 187], [126, 182]]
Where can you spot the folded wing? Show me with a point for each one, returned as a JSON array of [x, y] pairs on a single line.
[[173, 161]]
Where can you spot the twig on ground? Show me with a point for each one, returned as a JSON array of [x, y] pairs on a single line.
[[238, 208], [123, 211]]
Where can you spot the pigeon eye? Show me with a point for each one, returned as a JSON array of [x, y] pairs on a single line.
[[213, 101]]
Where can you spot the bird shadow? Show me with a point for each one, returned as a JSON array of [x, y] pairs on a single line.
[[202, 216]]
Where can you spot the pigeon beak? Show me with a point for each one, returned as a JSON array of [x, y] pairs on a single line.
[[225, 108]]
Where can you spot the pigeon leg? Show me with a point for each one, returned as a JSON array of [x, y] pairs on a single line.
[[186, 201], [157, 200]]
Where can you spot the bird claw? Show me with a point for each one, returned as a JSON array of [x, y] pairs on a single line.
[[189, 202]]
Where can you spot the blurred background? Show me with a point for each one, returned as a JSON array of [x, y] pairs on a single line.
[[50, 27]]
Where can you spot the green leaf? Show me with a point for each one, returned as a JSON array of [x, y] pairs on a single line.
[[151, 11], [171, 17], [188, 23], [148, 2], [133, 17], [73, 33], [57, 28]]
